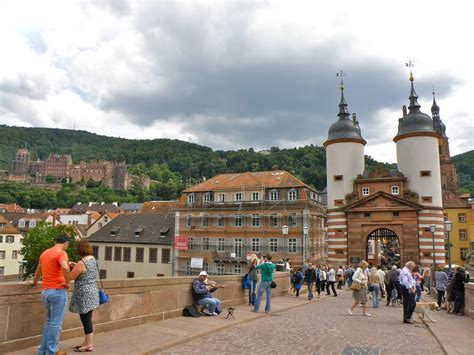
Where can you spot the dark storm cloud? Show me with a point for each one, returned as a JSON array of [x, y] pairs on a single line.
[[224, 90]]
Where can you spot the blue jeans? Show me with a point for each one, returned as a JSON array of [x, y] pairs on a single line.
[[54, 302], [252, 292], [310, 290], [264, 286], [427, 284], [418, 294], [375, 295], [211, 303]]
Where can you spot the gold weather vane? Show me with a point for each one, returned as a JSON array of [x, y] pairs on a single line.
[[410, 65], [341, 74]]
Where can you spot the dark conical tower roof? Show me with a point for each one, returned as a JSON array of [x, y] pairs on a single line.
[[344, 128], [438, 125], [415, 121]]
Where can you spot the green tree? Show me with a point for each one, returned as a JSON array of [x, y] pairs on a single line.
[[41, 238]]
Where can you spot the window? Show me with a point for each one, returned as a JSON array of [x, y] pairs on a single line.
[[127, 254], [95, 252], [238, 220], [205, 221], [463, 234], [255, 196], [108, 253], [461, 219], [426, 199], [21, 223], [189, 221], [205, 244], [165, 256], [10, 239], [256, 245], [237, 269], [292, 245], [220, 244], [221, 197], [338, 202], [187, 267], [396, 214], [207, 197], [139, 255], [292, 195], [153, 255], [463, 252], [1, 238], [191, 198], [220, 269], [220, 220], [273, 245], [14, 254], [255, 220], [130, 275], [2, 254], [103, 274], [293, 220], [395, 190], [238, 196], [2, 270], [238, 247], [191, 243], [205, 265], [32, 223], [425, 173], [273, 195], [338, 177], [274, 220], [100, 225], [366, 214], [365, 191], [117, 253]]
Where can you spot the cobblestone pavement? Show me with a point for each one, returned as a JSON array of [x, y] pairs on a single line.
[[320, 327]]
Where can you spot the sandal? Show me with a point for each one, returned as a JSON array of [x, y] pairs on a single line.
[[84, 350], [76, 347]]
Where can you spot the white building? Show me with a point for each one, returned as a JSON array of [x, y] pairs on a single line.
[[10, 246]]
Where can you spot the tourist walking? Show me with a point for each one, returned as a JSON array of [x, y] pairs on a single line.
[[441, 283], [427, 278], [252, 272], [408, 291], [266, 268], [381, 273], [310, 278], [417, 277], [324, 277], [54, 268], [85, 297], [359, 288], [331, 276], [299, 278], [393, 284], [374, 287], [340, 277]]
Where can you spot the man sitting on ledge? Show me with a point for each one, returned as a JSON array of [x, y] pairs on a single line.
[[204, 296]]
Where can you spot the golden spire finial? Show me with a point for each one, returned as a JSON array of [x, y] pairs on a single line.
[[410, 65], [341, 74]]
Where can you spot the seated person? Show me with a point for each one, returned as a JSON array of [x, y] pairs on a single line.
[[203, 293]]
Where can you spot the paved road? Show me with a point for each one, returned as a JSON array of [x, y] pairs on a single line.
[[320, 327]]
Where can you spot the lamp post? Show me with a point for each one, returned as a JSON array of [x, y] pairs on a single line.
[[305, 239], [433, 230], [284, 231], [448, 225]]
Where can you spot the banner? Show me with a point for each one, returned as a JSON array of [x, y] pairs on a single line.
[[181, 243]]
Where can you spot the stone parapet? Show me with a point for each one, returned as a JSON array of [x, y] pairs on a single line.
[[469, 295], [132, 302]]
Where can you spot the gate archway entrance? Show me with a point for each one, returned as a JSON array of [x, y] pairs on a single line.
[[383, 248]]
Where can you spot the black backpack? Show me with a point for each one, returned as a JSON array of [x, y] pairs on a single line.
[[190, 311]]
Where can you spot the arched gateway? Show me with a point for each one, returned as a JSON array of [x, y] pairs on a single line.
[[383, 248]]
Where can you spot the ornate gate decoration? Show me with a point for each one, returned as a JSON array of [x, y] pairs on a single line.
[[388, 249]]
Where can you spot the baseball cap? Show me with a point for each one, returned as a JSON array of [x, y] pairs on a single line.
[[203, 273]]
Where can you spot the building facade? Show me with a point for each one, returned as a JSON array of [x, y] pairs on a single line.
[[111, 174], [384, 216], [232, 216], [10, 246]]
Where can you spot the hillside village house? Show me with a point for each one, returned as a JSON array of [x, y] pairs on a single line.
[[100, 222], [10, 245], [24, 221], [229, 217], [135, 246]]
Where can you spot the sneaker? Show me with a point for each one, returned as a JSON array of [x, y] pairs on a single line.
[[350, 312], [214, 314], [206, 311], [367, 315]]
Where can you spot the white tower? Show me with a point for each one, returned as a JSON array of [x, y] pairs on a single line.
[[418, 160], [344, 161]]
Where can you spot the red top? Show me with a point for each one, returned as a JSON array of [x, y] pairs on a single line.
[[50, 262]]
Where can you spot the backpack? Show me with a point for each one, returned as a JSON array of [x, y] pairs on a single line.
[[190, 311], [246, 282], [297, 278]]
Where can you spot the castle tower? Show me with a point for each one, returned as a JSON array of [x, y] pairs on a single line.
[[21, 163], [448, 168], [344, 161], [418, 159]]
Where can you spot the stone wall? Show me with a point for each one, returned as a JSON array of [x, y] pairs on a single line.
[[469, 307], [132, 302]]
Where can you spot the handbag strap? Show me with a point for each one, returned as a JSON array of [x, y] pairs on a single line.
[[98, 270]]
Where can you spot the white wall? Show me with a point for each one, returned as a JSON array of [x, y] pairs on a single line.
[[74, 219], [11, 266], [347, 159], [421, 153]]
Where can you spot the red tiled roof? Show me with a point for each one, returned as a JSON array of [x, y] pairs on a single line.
[[152, 207]]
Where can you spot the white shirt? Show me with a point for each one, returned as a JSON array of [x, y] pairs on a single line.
[[381, 275], [406, 279]]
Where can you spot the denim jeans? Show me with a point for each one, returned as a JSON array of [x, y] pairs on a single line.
[[264, 286], [310, 290], [427, 284], [418, 294], [375, 295], [54, 302], [211, 303], [252, 292]]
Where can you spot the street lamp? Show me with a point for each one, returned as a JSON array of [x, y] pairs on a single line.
[[448, 225], [433, 230], [284, 231], [305, 237]]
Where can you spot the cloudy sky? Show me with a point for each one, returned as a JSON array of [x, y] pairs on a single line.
[[233, 74]]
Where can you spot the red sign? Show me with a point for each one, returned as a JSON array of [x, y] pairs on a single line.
[[181, 243]]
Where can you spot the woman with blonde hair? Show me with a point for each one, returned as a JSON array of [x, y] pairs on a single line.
[[359, 288], [374, 287]]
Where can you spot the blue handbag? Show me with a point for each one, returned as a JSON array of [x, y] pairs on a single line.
[[103, 296]]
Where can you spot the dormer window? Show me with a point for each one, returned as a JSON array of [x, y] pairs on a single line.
[[113, 232], [273, 195], [395, 190], [191, 198], [292, 195], [207, 197], [238, 196], [32, 223], [139, 231], [221, 197], [255, 196], [21, 223]]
